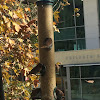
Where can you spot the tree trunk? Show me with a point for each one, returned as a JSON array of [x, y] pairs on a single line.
[[45, 30], [1, 86]]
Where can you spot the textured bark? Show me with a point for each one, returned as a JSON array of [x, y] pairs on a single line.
[[45, 30], [1, 86]]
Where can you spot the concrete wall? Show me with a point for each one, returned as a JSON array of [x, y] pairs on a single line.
[[78, 57], [91, 24]]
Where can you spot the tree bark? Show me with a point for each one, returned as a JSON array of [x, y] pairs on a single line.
[[1, 86], [45, 30]]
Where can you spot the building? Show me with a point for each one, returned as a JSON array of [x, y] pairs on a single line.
[[77, 47]]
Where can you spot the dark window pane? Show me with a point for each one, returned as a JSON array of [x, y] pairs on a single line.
[[90, 71], [99, 9], [81, 44], [91, 89], [62, 71], [75, 89], [80, 19], [68, 15], [74, 72], [68, 33], [71, 45], [80, 32], [60, 24], [60, 46]]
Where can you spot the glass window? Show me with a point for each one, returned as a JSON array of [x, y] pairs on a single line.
[[81, 44], [80, 32], [71, 45], [65, 45], [68, 33], [68, 15], [99, 9], [71, 28], [75, 89], [84, 82], [80, 19], [62, 71], [60, 46], [90, 71], [91, 89], [74, 72]]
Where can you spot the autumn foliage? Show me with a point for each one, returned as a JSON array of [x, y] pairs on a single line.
[[18, 54], [19, 48]]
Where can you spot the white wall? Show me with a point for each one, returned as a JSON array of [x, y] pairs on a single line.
[[91, 24]]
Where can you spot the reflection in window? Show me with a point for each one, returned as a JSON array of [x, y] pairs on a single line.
[[68, 33], [75, 89], [91, 91], [65, 45], [80, 19], [74, 72], [71, 28], [99, 9], [81, 44], [80, 32], [90, 71], [68, 15], [85, 82], [60, 46]]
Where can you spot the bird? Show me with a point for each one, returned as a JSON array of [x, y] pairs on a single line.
[[59, 94], [38, 68], [47, 44], [57, 67]]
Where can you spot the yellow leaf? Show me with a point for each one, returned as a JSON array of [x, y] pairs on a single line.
[[2, 29], [8, 24], [7, 64], [37, 51], [36, 44], [20, 47], [58, 63], [36, 60], [56, 29], [10, 13], [1, 48], [12, 42], [26, 93], [24, 21], [20, 40], [6, 78], [28, 84], [56, 16], [19, 14], [15, 70], [15, 15], [29, 45], [5, 19], [76, 10], [5, 7], [29, 55], [17, 27], [33, 77], [26, 98], [27, 9]]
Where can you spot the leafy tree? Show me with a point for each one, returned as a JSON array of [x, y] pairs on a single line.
[[19, 47], [18, 54]]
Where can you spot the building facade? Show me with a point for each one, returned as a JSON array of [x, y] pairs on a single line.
[[77, 47]]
